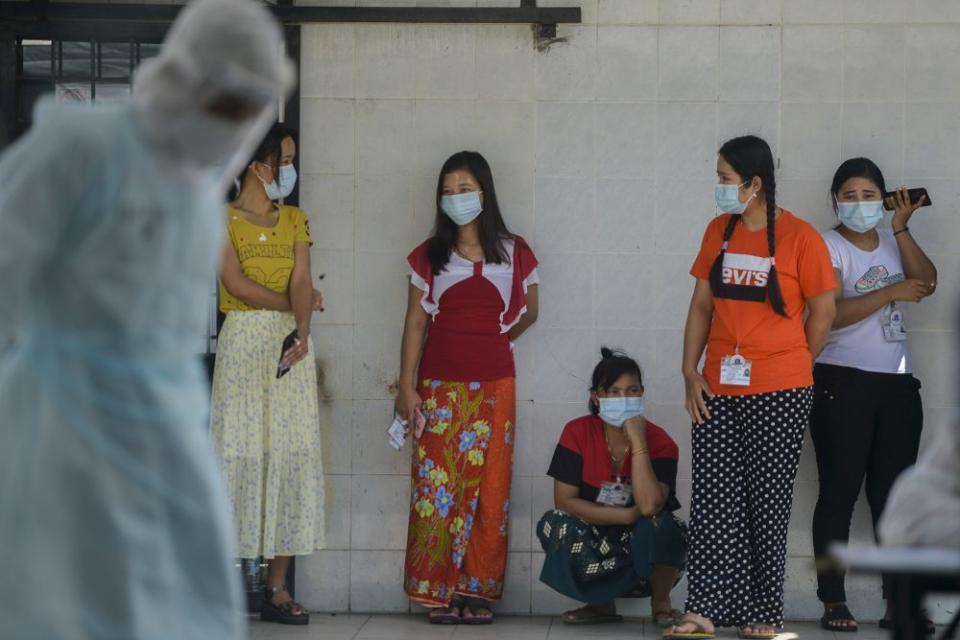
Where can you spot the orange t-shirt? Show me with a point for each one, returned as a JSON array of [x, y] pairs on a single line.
[[777, 346]]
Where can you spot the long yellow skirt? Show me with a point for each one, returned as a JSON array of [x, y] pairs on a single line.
[[267, 434]]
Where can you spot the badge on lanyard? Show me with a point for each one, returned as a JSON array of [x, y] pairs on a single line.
[[892, 321], [615, 494], [735, 370]]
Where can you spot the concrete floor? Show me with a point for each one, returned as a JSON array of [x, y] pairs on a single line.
[[410, 627]]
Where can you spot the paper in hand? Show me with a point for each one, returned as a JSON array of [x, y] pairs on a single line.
[[398, 433]]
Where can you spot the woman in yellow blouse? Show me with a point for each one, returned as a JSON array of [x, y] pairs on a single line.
[[265, 427]]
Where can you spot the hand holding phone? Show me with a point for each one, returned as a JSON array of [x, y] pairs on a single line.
[[420, 421], [288, 342], [918, 197]]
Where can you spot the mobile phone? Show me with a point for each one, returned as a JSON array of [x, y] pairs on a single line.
[[288, 342], [913, 194], [420, 421]]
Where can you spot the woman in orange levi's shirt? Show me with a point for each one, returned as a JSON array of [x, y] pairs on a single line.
[[760, 268]]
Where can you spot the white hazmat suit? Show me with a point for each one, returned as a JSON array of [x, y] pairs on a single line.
[[924, 505], [113, 520]]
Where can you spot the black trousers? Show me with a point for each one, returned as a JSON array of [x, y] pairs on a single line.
[[864, 425]]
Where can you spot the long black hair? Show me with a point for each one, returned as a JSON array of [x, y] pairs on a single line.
[[492, 227], [612, 365], [269, 152], [750, 157], [857, 168]]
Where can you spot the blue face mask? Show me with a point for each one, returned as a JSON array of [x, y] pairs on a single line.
[[288, 179], [462, 208], [616, 411], [728, 198], [860, 216]]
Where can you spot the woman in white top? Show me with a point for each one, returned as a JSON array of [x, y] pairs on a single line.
[[867, 413]]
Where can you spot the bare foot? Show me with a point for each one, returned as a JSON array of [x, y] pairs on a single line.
[[758, 628]]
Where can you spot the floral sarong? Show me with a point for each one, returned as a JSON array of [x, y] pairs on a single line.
[[460, 501]]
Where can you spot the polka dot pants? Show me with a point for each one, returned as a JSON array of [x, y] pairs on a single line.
[[744, 463]]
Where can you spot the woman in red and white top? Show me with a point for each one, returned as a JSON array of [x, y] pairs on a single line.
[[472, 292]]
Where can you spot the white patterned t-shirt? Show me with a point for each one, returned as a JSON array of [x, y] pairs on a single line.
[[861, 345]]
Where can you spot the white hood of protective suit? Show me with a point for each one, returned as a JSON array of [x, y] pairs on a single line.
[[215, 48]]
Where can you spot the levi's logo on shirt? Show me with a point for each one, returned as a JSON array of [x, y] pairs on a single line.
[[745, 277]]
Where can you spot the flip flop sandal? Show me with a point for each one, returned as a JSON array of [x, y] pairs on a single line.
[[444, 615], [700, 634], [285, 613], [837, 614], [472, 618], [743, 634], [587, 615], [664, 619]]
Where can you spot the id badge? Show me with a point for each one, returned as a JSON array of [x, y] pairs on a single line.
[[893, 328], [735, 370], [615, 494]]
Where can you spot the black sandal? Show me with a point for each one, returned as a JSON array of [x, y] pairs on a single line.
[[286, 613], [837, 614]]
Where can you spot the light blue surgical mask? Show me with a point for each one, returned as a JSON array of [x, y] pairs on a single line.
[[616, 411], [860, 216], [462, 208], [728, 198], [288, 179]]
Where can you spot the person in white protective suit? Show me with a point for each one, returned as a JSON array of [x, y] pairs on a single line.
[[924, 505], [113, 519]]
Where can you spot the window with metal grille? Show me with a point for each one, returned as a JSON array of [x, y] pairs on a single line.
[[75, 71]]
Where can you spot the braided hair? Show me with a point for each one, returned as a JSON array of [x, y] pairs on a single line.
[[750, 157]]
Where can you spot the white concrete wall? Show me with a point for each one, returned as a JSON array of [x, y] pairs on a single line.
[[603, 149]]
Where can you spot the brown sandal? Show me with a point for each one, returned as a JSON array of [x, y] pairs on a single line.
[[469, 613], [445, 615]]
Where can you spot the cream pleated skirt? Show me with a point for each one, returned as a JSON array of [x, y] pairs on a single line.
[[267, 434]]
